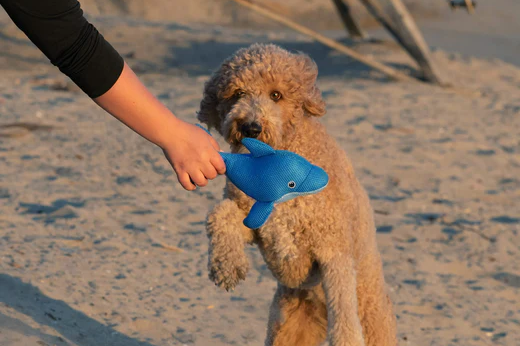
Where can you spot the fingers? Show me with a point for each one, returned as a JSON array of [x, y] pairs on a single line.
[[217, 161], [199, 179], [185, 181], [219, 164], [194, 177], [210, 172]]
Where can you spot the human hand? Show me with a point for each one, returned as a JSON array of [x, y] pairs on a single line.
[[194, 155], [192, 152]]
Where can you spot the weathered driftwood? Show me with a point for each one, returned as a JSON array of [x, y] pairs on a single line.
[[375, 9], [395, 18], [354, 29], [413, 40], [388, 71]]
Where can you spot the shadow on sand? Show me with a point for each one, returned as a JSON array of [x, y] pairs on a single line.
[[201, 58], [72, 324]]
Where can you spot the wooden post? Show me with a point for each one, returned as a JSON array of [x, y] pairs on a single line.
[[352, 26], [412, 39], [397, 20], [377, 12]]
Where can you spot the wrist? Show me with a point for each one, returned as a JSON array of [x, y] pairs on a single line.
[[169, 131]]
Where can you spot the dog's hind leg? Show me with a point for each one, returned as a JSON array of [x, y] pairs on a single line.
[[375, 307], [339, 283], [296, 318]]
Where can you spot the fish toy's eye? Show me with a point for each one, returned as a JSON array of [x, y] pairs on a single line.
[[292, 184]]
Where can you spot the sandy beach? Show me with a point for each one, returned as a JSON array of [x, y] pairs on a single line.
[[99, 244]]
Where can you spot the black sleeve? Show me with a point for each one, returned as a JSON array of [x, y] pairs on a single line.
[[59, 29]]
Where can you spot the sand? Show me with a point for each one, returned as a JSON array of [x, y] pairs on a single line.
[[101, 246]]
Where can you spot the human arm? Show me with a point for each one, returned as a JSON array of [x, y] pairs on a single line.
[[189, 149], [59, 29]]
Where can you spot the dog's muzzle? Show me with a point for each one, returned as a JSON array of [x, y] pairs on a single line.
[[251, 130]]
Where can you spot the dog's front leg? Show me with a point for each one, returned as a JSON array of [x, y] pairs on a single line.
[[227, 235], [339, 283]]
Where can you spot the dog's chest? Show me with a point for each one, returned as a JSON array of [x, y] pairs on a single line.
[[285, 248], [290, 264]]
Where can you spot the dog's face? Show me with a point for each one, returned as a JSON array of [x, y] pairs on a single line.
[[261, 92]]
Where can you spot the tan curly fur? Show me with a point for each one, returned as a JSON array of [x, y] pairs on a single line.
[[321, 248]]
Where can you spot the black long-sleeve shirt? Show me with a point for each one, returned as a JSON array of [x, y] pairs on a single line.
[[59, 29]]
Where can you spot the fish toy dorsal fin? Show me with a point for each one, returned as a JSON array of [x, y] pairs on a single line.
[[257, 148]]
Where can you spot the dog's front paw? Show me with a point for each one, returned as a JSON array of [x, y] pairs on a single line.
[[227, 268]]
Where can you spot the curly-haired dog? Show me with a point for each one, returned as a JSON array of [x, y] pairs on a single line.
[[321, 248]]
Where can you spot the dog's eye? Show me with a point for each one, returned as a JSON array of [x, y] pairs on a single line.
[[292, 184], [276, 95], [240, 93]]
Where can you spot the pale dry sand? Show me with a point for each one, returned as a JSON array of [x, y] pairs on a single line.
[[101, 246]]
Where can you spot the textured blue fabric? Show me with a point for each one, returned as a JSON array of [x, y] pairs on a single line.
[[258, 214], [271, 176]]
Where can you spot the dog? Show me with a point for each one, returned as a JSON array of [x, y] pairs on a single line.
[[320, 248]]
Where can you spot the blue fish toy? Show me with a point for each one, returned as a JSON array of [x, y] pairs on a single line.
[[270, 177]]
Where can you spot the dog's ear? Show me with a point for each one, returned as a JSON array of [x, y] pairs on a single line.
[[313, 103], [208, 112]]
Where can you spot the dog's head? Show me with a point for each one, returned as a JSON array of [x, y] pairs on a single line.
[[262, 92]]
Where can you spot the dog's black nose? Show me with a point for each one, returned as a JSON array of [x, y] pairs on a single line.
[[251, 130]]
